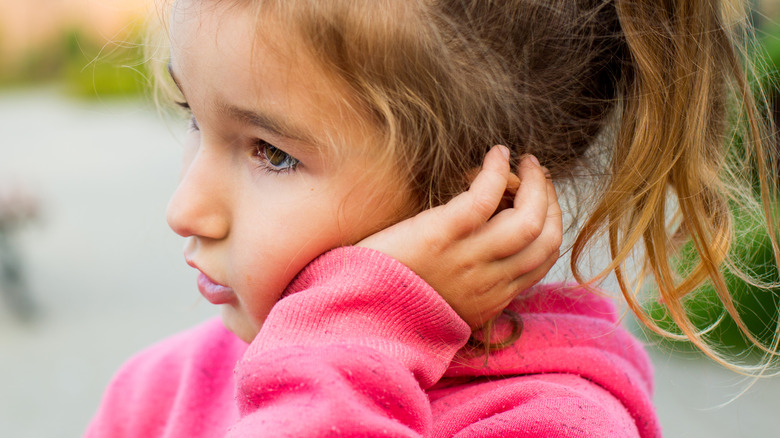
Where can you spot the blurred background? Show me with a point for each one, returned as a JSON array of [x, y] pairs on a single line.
[[90, 273]]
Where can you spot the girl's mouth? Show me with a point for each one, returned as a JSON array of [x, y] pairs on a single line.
[[214, 292]]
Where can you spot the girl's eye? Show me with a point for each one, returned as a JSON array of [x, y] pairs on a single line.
[[193, 123], [275, 159]]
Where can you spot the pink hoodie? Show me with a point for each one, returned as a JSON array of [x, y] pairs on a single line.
[[361, 346]]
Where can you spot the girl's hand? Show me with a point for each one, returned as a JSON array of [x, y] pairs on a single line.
[[476, 258]]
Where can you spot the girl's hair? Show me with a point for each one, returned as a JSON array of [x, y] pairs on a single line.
[[650, 96]]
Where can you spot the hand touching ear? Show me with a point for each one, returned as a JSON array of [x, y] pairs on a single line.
[[476, 258]]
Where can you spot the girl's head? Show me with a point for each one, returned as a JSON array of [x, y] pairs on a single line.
[[310, 114], [393, 103]]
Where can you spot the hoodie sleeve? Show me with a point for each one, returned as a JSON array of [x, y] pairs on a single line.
[[348, 351]]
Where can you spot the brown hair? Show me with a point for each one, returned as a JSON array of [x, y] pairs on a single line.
[[659, 85]]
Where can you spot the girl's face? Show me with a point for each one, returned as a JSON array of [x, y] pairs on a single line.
[[260, 196]]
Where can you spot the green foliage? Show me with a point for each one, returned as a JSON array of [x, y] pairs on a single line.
[[758, 307], [83, 66], [770, 43]]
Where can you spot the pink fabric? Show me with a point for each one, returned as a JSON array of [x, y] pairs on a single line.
[[361, 346]]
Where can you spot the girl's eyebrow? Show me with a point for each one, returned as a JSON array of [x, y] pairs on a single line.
[[268, 122], [264, 121]]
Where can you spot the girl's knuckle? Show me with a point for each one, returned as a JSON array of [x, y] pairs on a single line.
[[532, 230]]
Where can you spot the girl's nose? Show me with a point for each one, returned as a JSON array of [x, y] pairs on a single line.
[[200, 205]]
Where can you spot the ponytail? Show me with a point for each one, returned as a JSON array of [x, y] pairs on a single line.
[[686, 108]]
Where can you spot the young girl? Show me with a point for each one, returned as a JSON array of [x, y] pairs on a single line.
[[365, 248]]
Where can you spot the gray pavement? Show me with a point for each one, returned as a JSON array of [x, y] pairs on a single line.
[[109, 278]]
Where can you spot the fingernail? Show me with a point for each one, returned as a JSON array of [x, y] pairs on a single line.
[[534, 160], [504, 150]]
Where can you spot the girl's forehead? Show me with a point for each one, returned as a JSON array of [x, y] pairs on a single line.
[[216, 18], [231, 56]]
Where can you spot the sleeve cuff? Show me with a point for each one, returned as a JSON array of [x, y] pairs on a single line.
[[360, 296]]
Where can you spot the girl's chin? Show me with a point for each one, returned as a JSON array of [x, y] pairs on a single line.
[[238, 324]]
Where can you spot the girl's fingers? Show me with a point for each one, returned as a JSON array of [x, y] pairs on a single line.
[[505, 288], [545, 246], [529, 279], [535, 211], [525, 261], [471, 209]]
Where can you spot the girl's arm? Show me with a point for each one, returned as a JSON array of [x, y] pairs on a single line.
[[348, 352]]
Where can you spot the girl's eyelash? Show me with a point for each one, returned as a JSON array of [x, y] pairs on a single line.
[[194, 124], [186, 107]]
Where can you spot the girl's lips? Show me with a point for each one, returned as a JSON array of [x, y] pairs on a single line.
[[214, 292]]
